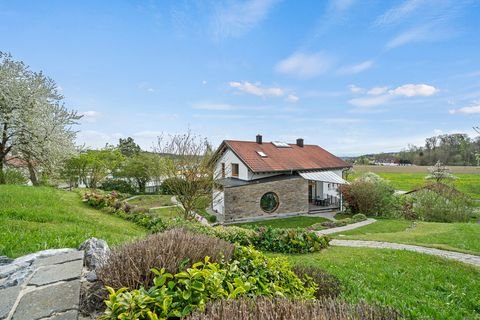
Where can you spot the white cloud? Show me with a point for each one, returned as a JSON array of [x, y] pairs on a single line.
[[416, 34], [377, 96], [292, 98], [305, 65], [90, 116], [257, 89], [399, 13], [357, 68], [367, 102], [414, 90], [355, 89], [375, 91], [239, 17], [145, 86], [475, 109]]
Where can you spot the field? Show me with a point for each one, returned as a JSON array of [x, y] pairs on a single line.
[[461, 237], [293, 222], [33, 219], [420, 286], [409, 177]]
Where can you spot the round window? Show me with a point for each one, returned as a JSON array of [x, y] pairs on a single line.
[[269, 202]]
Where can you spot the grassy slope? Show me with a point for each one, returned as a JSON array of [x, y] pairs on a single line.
[[293, 222], [418, 285], [33, 219], [462, 237]]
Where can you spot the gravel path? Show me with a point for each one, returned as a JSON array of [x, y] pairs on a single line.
[[462, 257], [347, 227]]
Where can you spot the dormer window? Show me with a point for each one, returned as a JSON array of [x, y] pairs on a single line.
[[262, 154]]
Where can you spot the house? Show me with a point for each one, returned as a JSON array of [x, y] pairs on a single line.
[[264, 179]]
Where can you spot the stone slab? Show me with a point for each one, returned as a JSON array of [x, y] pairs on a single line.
[[49, 300], [69, 315], [57, 272], [59, 258], [8, 297]]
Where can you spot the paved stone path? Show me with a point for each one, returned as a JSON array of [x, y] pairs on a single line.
[[462, 257], [347, 227], [44, 285]]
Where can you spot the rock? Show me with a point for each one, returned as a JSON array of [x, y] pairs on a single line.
[[59, 258], [49, 300], [7, 300], [91, 276], [57, 272], [5, 260], [96, 252]]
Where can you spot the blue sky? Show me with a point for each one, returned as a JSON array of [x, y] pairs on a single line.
[[351, 76]]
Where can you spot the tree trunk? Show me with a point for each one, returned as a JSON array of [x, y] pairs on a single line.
[[33, 174], [2, 175]]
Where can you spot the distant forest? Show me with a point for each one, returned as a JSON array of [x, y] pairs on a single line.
[[451, 149]]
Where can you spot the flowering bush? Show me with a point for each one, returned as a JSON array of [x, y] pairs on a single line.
[[98, 200]]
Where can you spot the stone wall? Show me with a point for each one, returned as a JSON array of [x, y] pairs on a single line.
[[244, 201]]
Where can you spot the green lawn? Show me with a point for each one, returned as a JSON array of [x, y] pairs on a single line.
[[151, 201], [168, 213], [293, 222], [38, 218], [462, 237], [468, 183], [418, 285]]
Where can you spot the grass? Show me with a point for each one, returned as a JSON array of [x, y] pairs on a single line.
[[468, 183], [152, 201], [418, 285], [461, 237], [293, 222], [39, 218], [169, 213]]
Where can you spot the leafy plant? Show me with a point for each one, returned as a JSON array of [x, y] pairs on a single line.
[[177, 295], [129, 265], [329, 286], [117, 185]]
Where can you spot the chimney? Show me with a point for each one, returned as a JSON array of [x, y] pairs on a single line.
[[300, 142], [259, 138]]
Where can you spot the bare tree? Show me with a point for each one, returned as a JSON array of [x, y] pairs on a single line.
[[188, 167]]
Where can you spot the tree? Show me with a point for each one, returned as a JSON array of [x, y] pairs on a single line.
[[440, 173], [188, 168], [92, 166], [128, 147], [34, 124], [140, 168]]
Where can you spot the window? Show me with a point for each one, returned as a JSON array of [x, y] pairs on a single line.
[[269, 202], [223, 169], [234, 169]]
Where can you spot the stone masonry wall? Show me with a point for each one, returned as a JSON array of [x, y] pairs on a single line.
[[244, 201]]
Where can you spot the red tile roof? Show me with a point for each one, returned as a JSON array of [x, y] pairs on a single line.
[[308, 157]]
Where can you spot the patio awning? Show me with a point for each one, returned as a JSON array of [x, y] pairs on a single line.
[[325, 176]]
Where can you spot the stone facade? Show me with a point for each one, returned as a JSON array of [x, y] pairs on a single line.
[[244, 201]]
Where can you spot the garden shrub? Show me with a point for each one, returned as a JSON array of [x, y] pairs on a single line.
[[289, 240], [117, 185], [251, 274], [13, 176], [359, 217], [371, 195], [329, 286], [264, 308], [431, 206], [98, 200], [129, 266]]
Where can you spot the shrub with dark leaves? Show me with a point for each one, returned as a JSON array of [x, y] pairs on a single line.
[[329, 286], [130, 265], [264, 308]]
